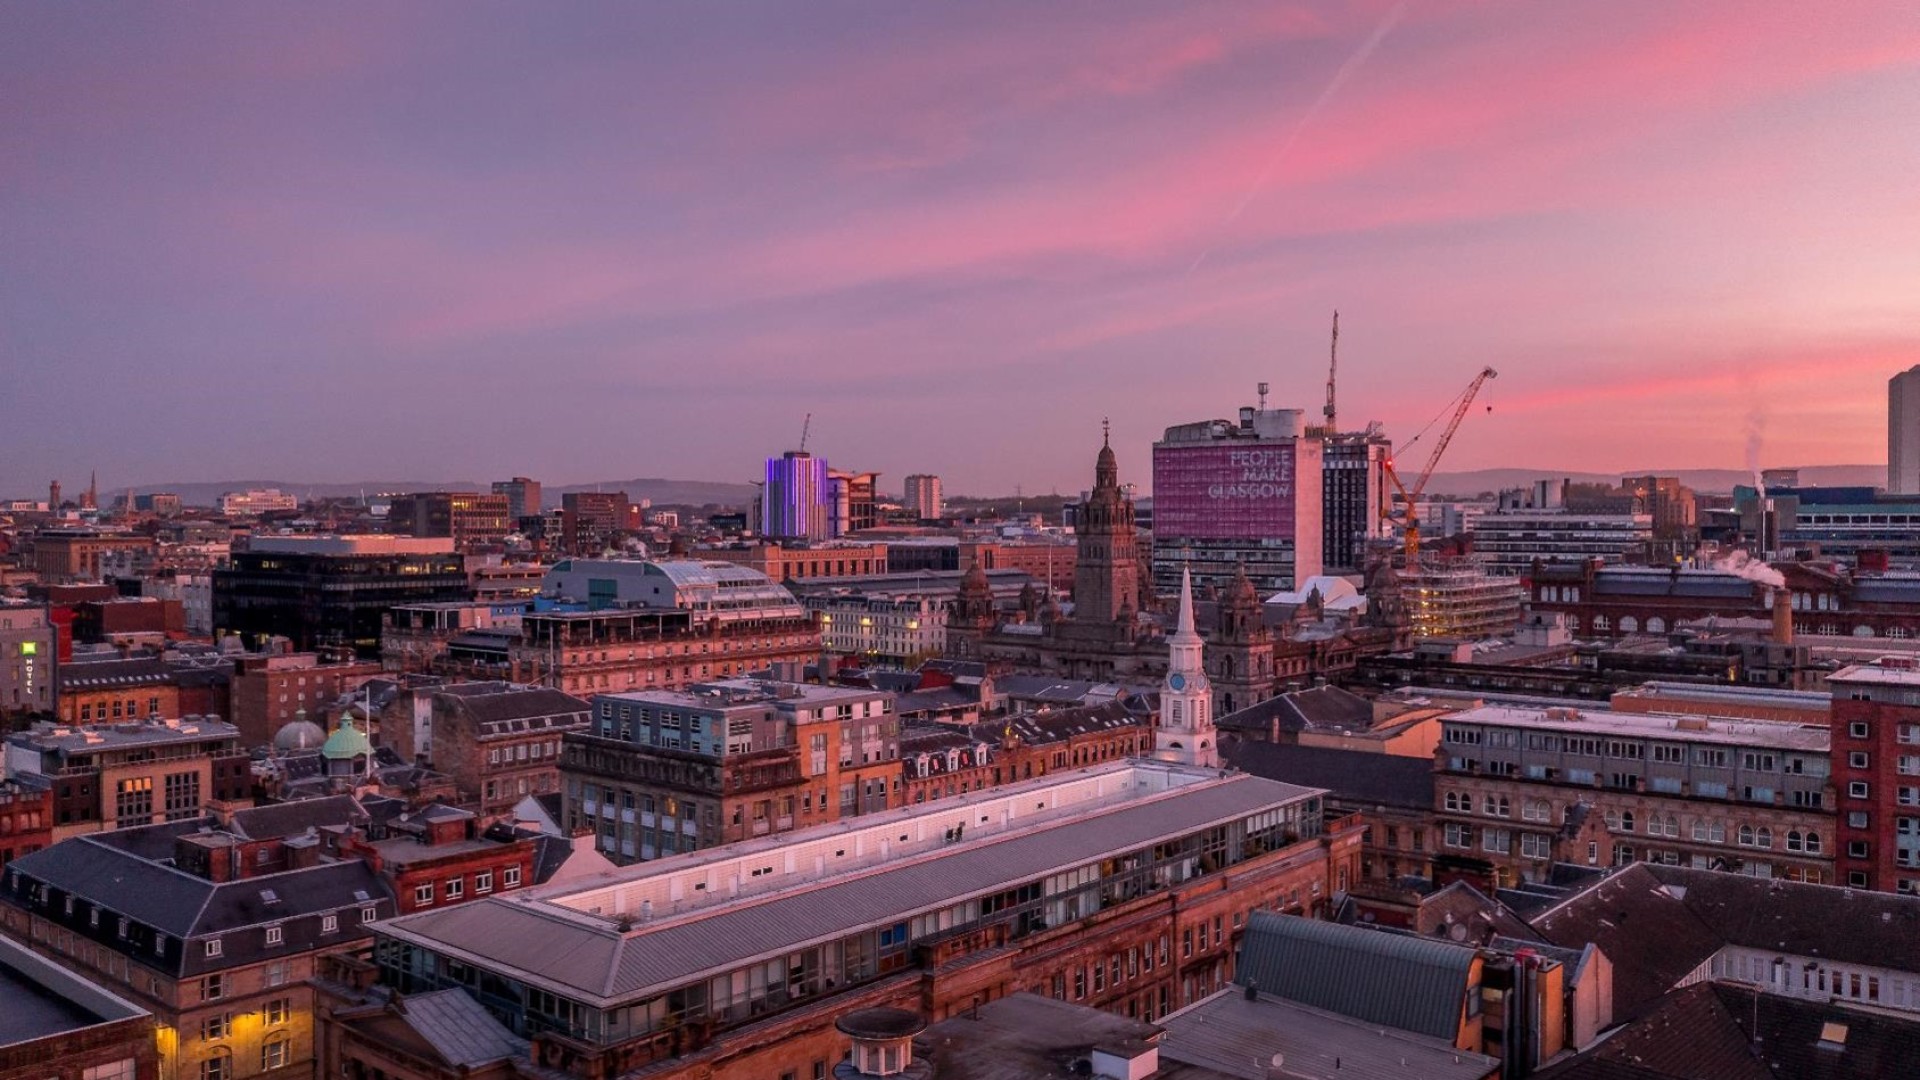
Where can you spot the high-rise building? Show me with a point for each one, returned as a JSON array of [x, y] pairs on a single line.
[[29, 643], [1353, 497], [1227, 494], [590, 521], [856, 499], [923, 496], [523, 497], [1903, 432], [797, 502], [470, 519], [332, 591]]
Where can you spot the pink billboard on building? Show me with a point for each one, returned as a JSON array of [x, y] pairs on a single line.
[[1224, 492]]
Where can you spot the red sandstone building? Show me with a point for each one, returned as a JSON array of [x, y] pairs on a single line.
[[1876, 773], [26, 819]]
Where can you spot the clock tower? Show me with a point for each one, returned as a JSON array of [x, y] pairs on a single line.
[[1185, 734]]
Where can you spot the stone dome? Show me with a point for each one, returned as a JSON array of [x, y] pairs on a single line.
[[299, 735]]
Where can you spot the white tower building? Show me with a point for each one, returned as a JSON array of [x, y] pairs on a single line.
[[1186, 735]]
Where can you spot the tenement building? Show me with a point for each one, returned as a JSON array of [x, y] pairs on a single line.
[[1522, 787], [111, 776], [222, 964], [1107, 886]]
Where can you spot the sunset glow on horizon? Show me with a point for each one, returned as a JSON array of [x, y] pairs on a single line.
[[588, 242]]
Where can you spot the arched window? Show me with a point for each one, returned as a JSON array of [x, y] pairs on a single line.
[[1794, 841], [275, 1053], [1626, 821], [1656, 625], [1746, 836], [1602, 624], [1813, 842], [217, 1065], [1629, 624], [1863, 630], [1765, 838]]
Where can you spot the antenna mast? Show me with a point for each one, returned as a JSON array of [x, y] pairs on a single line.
[[1333, 366]]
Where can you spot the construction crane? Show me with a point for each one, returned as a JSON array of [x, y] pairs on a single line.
[[1408, 497], [806, 426], [1333, 365]]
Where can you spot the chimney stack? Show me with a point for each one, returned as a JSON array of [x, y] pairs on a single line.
[[1782, 617]]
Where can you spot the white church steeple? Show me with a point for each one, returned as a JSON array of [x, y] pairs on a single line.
[[1185, 734]]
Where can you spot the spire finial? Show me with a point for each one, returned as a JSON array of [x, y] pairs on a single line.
[[1106, 431]]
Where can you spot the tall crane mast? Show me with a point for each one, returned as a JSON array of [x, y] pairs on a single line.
[[806, 427], [1333, 365], [1409, 497]]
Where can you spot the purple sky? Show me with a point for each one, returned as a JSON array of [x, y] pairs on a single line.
[[579, 241]]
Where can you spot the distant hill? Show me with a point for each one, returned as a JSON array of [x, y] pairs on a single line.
[[1477, 481], [661, 492]]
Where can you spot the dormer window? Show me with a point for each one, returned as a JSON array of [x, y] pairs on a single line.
[[213, 947]]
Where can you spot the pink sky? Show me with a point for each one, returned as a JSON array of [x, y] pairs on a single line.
[[335, 243]]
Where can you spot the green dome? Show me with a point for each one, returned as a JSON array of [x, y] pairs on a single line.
[[346, 743]]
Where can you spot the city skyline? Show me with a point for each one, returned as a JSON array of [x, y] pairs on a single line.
[[641, 241]]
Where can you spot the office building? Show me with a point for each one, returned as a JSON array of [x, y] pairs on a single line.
[[69, 555], [523, 498], [666, 771], [798, 560], [1457, 599], [1229, 494], [115, 775], [923, 497], [591, 522], [1520, 788], [709, 590], [1511, 539], [1354, 498], [1903, 433], [256, 502], [855, 501], [798, 500], [471, 520], [331, 592], [1102, 886]]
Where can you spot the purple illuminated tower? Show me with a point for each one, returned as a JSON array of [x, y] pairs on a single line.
[[797, 502]]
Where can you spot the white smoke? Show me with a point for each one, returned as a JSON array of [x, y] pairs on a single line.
[[1741, 564]]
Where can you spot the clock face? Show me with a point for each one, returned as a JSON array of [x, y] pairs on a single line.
[[1177, 681]]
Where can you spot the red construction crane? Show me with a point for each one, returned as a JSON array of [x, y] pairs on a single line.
[[1410, 516]]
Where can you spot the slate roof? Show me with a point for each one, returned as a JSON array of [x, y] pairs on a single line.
[[1849, 926], [589, 958], [502, 704], [459, 1029], [188, 909], [108, 674], [1648, 934], [1319, 708], [277, 821], [1354, 777], [1719, 1031], [1398, 980]]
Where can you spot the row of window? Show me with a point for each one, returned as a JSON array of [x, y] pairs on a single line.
[[127, 710], [455, 888]]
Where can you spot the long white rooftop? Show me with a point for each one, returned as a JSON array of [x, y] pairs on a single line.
[[633, 932]]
